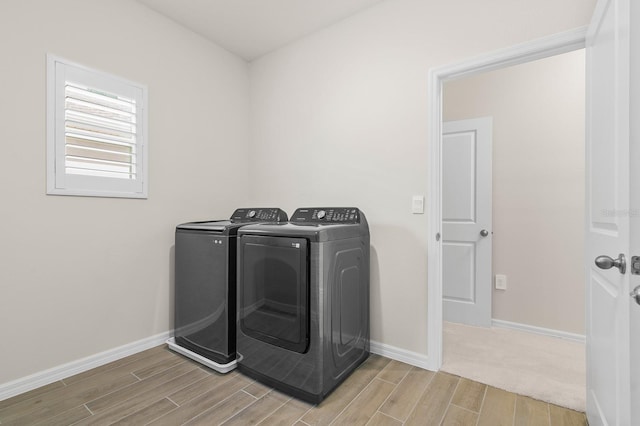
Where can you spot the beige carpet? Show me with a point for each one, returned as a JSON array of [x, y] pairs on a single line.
[[544, 368]]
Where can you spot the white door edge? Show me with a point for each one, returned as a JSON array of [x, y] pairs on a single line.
[[537, 49]]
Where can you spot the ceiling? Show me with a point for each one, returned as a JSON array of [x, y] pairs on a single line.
[[251, 28]]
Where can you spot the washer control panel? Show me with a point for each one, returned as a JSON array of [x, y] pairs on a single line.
[[332, 215], [258, 215]]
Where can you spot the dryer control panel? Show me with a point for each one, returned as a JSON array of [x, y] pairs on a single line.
[[258, 215], [329, 215]]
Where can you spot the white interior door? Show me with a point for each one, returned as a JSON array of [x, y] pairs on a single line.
[[608, 219], [466, 221]]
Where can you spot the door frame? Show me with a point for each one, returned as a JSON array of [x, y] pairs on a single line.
[[526, 52]]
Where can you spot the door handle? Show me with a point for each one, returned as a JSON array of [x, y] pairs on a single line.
[[484, 232], [636, 294], [605, 262]]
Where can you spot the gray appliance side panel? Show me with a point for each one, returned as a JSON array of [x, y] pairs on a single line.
[[202, 307], [346, 319]]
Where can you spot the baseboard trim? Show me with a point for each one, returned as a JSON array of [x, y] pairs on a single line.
[[25, 384], [403, 355], [580, 338]]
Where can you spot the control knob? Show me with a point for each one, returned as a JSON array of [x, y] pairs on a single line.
[[321, 214], [252, 213]]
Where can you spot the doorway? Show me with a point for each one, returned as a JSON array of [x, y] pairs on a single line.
[[523, 54], [537, 161], [537, 110], [527, 52]]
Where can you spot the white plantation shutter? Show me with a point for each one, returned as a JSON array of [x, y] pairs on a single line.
[[96, 133], [100, 133]]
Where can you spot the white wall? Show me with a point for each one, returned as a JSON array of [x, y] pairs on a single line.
[[340, 118], [538, 185], [79, 276]]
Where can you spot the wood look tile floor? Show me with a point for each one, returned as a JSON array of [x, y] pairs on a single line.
[[160, 387]]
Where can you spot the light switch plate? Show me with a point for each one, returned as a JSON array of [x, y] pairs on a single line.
[[417, 204]]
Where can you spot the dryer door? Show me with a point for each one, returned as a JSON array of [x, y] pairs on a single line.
[[274, 290]]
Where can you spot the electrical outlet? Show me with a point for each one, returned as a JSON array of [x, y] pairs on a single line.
[[501, 282]]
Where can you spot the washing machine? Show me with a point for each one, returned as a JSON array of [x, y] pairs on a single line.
[[303, 300], [205, 286]]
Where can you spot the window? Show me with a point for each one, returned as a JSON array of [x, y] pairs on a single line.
[[96, 133]]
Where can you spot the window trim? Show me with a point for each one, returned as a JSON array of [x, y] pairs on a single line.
[[61, 183]]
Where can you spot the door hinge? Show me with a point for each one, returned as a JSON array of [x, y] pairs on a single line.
[[635, 265]]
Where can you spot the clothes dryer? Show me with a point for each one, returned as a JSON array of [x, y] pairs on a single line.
[[205, 286], [303, 300]]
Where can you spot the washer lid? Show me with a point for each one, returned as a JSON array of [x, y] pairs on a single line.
[[239, 218], [208, 225]]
